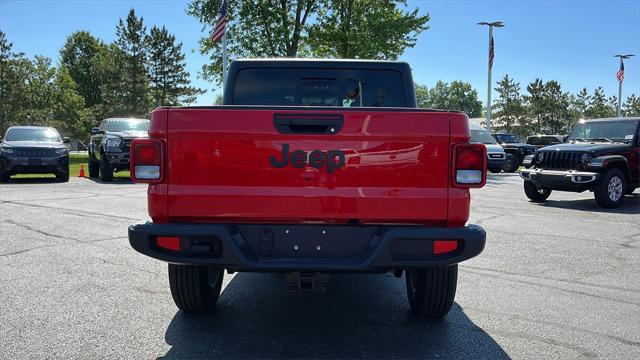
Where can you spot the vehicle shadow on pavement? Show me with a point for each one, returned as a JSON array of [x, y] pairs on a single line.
[[42, 180], [360, 316], [116, 180], [630, 205], [502, 178]]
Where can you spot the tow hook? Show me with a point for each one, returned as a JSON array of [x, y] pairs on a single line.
[[307, 281]]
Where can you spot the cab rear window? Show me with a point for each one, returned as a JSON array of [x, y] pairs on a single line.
[[319, 87], [543, 140]]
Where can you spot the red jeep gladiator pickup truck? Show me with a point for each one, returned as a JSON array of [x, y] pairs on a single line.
[[309, 168]]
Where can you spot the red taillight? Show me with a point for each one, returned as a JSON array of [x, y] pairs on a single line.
[[469, 158], [470, 165], [444, 246], [168, 242], [147, 154], [147, 160]]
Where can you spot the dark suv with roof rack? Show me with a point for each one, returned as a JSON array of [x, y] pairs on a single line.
[[601, 155], [109, 145]]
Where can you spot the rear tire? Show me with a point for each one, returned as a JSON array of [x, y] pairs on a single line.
[[534, 194], [94, 168], [431, 291], [4, 177], [511, 163], [609, 192], [195, 289], [105, 173]]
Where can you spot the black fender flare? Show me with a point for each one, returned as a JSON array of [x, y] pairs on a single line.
[[606, 162]]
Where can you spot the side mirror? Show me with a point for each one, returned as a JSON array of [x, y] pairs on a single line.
[[95, 131], [66, 140]]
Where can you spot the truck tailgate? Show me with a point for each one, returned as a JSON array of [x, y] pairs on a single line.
[[227, 164]]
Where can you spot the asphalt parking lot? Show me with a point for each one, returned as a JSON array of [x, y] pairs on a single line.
[[559, 280]]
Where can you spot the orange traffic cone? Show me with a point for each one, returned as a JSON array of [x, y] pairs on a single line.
[[81, 171]]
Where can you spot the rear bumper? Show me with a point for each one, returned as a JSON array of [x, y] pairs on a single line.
[[567, 180], [496, 163], [330, 248], [118, 159]]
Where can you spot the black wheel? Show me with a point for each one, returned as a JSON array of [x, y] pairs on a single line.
[[195, 288], [94, 167], [535, 194], [63, 176], [609, 192], [495, 170], [511, 163], [431, 291], [4, 177], [105, 173]]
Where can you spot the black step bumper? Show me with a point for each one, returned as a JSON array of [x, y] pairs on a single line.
[[278, 247]]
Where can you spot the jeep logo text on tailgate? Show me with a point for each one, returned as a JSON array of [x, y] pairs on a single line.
[[332, 159]]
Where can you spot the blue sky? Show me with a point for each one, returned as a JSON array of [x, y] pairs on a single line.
[[569, 41]]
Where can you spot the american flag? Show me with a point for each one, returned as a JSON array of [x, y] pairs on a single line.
[[491, 53], [620, 74], [218, 31]]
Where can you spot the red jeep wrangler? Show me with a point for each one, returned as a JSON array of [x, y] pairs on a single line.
[[310, 168]]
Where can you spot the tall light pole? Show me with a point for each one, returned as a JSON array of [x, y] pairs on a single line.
[[620, 76], [491, 25]]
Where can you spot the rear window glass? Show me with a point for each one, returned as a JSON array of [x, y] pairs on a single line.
[[319, 87], [543, 140], [482, 136]]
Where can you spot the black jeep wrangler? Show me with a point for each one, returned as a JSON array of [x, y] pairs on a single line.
[[601, 155], [109, 145], [514, 149]]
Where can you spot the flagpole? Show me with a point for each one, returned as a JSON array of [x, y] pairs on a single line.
[[491, 25], [620, 76], [489, 83], [619, 112]]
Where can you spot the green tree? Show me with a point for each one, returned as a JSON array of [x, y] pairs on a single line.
[[14, 73], [288, 28], [613, 102], [581, 103], [82, 55], [536, 106], [69, 113], [556, 105], [127, 67], [422, 96], [599, 107], [464, 98], [438, 96], [455, 96], [509, 112], [39, 105], [166, 66], [256, 28], [631, 107], [366, 29]]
